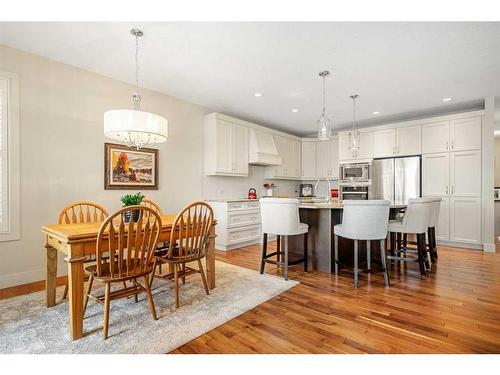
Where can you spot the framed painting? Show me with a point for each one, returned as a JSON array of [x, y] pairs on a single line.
[[128, 168]]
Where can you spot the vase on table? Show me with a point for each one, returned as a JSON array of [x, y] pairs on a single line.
[[269, 192]]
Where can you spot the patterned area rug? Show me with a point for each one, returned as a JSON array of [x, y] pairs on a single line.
[[26, 326]]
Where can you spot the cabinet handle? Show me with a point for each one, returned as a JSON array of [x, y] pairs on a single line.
[[398, 150], [394, 150], [447, 145], [452, 188], [302, 172], [452, 146], [446, 189]]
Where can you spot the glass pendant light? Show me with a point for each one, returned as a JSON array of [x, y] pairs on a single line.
[[354, 133], [324, 122], [135, 128]]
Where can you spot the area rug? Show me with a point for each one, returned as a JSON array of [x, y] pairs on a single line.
[[27, 326]]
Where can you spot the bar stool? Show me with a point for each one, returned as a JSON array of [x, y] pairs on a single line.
[[416, 220], [364, 220], [280, 216]]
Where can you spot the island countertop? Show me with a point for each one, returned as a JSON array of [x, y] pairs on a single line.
[[338, 205]]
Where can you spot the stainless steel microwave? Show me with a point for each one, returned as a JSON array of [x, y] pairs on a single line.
[[355, 172]]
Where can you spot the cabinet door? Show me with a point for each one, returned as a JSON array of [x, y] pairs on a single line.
[[465, 219], [384, 143], [465, 134], [435, 174], [443, 227], [282, 147], [435, 137], [296, 158], [223, 147], [334, 158], [345, 153], [309, 160], [323, 159], [465, 173], [365, 146], [239, 150], [409, 140]]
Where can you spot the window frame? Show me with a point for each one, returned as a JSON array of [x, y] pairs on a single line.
[[12, 231]]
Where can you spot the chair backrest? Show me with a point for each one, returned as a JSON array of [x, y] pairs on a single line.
[[280, 216], [436, 207], [417, 215], [191, 232], [82, 212], [152, 204], [127, 247], [365, 219]]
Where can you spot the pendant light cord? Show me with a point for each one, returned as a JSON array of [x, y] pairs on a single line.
[[137, 64], [324, 95]]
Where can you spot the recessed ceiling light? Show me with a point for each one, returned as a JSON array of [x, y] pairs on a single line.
[[376, 112], [257, 94], [447, 100], [295, 110]]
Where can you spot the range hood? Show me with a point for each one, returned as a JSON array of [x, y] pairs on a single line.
[[262, 150]]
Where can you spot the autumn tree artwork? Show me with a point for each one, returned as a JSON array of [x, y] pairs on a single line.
[[130, 168]]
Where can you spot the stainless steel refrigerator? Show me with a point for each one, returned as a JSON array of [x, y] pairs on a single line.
[[396, 179]]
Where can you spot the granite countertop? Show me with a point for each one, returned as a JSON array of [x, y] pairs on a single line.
[[337, 205]]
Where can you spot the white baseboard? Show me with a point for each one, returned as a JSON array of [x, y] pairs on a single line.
[[25, 277], [243, 244], [489, 247], [461, 245]]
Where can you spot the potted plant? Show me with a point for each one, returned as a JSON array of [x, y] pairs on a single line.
[[269, 189], [131, 200]]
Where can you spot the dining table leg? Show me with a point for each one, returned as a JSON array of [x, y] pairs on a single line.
[[76, 283], [51, 276], [210, 259]]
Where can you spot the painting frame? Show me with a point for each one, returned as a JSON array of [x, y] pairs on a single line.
[[110, 184]]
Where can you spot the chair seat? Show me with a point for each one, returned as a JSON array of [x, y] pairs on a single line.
[[106, 273]]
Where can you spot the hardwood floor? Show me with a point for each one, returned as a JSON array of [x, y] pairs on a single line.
[[456, 309]]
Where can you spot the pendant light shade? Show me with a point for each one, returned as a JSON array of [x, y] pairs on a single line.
[[324, 122], [135, 128], [354, 133]]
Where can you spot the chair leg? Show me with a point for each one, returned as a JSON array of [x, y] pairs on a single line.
[[65, 293], [106, 309], [203, 278], [420, 251], [278, 248], [426, 253], [151, 279], [151, 302], [392, 240], [285, 243], [434, 243], [183, 270], [264, 253], [384, 263], [305, 252], [136, 297], [336, 254], [176, 282], [355, 263], [368, 255], [89, 289], [405, 240]]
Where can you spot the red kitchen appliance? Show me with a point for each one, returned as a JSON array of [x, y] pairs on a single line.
[[252, 194], [334, 193]]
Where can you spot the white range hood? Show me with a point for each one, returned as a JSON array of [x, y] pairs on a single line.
[[262, 150]]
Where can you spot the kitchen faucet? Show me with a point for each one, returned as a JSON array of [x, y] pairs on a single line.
[[328, 194]]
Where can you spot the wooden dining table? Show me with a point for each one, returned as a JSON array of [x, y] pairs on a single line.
[[77, 242]]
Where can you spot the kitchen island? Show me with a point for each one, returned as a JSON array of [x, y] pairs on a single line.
[[321, 218]]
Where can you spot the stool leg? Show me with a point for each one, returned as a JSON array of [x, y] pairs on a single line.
[[278, 248], [305, 252], [426, 253], [392, 240], [434, 243], [285, 240], [368, 255], [405, 240], [264, 253], [384, 263], [420, 250], [336, 254], [355, 263]]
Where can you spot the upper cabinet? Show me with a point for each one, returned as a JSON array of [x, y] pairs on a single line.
[[308, 159], [384, 143], [226, 147], [289, 151], [401, 141], [462, 134], [365, 146], [327, 159]]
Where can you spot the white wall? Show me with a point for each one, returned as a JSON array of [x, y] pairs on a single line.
[[62, 147]]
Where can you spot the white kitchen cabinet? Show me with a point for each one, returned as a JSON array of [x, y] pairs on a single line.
[[345, 153], [465, 173], [226, 147], [365, 147], [435, 137], [295, 166], [334, 157], [327, 159], [289, 151], [465, 219], [308, 159], [465, 134], [436, 174], [408, 140], [384, 143]]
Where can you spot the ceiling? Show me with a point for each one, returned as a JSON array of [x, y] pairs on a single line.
[[402, 70]]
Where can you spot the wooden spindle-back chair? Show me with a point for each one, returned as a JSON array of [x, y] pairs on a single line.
[[125, 252], [81, 212], [152, 204], [189, 241]]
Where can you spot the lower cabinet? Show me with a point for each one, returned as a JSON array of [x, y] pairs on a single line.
[[465, 220]]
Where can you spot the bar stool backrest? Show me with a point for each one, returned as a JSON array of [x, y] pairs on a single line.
[[417, 215], [436, 206], [365, 219], [280, 216]]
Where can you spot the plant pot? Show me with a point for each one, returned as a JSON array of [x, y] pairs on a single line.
[[135, 216]]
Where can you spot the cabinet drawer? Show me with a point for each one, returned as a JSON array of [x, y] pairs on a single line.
[[244, 234], [239, 218], [233, 206]]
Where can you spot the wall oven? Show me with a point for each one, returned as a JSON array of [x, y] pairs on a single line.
[[352, 192], [355, 172]]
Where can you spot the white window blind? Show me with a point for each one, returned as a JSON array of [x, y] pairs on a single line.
[[4, 154]]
